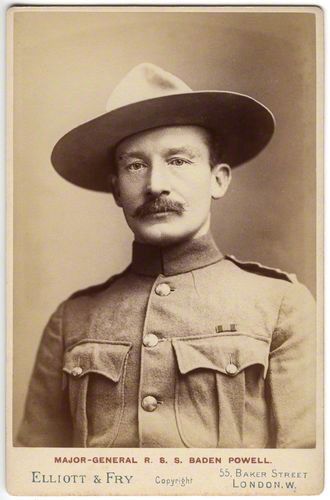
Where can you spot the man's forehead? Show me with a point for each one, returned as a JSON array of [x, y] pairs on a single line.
[[188, 137]]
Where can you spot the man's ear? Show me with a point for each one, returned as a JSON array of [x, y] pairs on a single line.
[[221, 177], [114, 187]]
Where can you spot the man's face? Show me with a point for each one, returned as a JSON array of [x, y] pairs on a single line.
[[165, 183]]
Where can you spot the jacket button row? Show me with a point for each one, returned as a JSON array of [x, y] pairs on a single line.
[[163, 289], [149, 403], [150, 340], [231, 369], [76, 371]]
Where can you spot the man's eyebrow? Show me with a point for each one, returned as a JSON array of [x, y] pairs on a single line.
[[131, 154], [182, 150]]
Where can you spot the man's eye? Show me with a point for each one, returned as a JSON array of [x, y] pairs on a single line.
[[135, 167], [178, 162]]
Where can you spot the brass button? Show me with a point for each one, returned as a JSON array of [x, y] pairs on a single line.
[[150, 340], [149, 403], [231, 369], [77, 370], [163, 289]]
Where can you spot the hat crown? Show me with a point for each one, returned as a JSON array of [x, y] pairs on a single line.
[[145, 81]]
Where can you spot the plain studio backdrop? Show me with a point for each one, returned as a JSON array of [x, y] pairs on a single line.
[[65, 66]]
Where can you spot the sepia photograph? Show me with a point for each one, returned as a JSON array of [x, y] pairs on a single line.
[[166, 259]]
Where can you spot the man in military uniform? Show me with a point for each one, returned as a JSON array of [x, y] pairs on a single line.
[[186, 347]]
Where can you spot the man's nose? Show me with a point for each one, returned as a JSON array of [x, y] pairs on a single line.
[[159, 179]]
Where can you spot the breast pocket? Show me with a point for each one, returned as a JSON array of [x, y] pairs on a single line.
[[95, 373], [217, 377]]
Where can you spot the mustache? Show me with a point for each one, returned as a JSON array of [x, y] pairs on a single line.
[[159, 205]]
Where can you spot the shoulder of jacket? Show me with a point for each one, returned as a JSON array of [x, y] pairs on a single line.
[[95, 289], [261, 270]]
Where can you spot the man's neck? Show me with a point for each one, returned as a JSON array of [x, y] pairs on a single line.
[[151, 260]]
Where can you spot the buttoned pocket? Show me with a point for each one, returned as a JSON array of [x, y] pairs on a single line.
[[216, 375], [95, 372]]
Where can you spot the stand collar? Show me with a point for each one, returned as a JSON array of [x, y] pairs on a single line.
[[192, 254]]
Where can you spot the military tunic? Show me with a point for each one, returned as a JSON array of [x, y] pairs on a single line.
[[186, 348]]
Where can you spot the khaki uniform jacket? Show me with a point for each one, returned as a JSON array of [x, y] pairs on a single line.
[[186, 348]]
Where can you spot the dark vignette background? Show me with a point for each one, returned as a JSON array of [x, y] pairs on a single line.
[[65, 66]]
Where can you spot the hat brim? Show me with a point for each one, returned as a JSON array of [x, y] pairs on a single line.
[[243, 125]]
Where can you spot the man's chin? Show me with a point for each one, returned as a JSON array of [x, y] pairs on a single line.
[[160, 236]]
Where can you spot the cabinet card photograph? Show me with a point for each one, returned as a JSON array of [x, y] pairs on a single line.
[[165, 255]]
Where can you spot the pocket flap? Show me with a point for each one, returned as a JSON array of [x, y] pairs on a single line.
[[105, 358], [229, 354]]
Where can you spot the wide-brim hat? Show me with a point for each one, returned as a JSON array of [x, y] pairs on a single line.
[[149, 97]]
